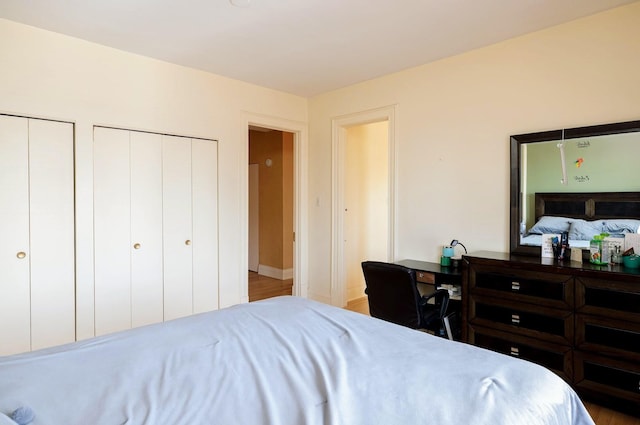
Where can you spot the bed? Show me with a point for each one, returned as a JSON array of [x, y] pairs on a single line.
[[285, 360], [584, 215]]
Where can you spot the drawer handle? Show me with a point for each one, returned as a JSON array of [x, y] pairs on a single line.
[[515, 351], [515, 319], [515, 286]]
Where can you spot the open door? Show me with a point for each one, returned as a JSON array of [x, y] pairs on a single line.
[[254, 217]]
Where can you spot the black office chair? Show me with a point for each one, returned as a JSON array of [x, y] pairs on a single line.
[[393, 296]]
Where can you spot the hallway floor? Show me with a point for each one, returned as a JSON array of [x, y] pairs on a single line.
[[261, 287]]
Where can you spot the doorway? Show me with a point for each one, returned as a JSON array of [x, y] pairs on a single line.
[[271, 217], [300, 249], [366, 194], [363, 167]]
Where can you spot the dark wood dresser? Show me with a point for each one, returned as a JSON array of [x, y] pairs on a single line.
[[580, 320]]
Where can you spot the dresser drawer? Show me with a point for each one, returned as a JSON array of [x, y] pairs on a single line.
[[606, 336], [549, 324], [614, 382], [550, 289], [557, 358], [608, 297]]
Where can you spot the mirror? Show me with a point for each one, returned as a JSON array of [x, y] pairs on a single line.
[[581, 173]]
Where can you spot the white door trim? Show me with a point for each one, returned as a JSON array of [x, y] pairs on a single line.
[[300, 226], [339, 127]]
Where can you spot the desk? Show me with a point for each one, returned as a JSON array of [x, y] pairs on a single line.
[[437, 276]]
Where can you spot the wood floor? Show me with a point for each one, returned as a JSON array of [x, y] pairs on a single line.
[[601, 415], [261, 287]]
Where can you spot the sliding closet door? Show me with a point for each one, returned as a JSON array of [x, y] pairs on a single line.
[[14, 230], [112, 226], [177, 227], [146, 228], [204, 160], [51, 204]]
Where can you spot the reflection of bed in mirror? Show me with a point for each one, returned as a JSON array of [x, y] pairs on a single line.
[[583, 215], [593, 160]]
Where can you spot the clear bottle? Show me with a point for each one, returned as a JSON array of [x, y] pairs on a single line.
[[605, 255], [616, 254]]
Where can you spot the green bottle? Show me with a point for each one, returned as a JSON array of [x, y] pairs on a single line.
[[596, 250]]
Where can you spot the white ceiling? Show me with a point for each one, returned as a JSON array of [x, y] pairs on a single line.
[[304, 47]]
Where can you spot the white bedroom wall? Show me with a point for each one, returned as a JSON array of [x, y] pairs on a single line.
[[454, 119], [48, 75]]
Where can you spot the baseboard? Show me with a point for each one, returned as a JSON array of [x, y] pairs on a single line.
[[275, 273]]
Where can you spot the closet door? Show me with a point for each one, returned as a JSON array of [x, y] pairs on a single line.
[[52, 247], [112, 227], [204, 160], [155, 227], [146, 228], [128, 229], [15, 332], [37, 290], [177, 227]]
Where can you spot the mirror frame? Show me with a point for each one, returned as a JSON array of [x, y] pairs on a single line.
[[545, 136]]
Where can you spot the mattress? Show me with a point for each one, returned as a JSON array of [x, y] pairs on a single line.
[[284, 360]]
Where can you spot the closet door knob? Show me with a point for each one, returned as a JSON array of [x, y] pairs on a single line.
[[136, 246], [21, 255], [187, 242]]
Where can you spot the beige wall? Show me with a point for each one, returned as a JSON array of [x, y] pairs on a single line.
[[276, 196], [454, 119], [54, 76]]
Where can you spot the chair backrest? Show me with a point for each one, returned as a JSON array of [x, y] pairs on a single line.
[[392, 292]]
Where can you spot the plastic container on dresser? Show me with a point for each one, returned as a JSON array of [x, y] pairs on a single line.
[[580, 320]]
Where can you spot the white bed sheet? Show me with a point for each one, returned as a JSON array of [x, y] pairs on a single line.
[[285, 360]]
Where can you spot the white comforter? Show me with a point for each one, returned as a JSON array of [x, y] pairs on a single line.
[[282, 361]]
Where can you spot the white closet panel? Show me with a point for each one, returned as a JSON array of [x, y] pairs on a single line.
[[37, 288], [15, 304], [146, 228], [177, 227], [156, 228], [52, 233], [204, 160], [112, 227]]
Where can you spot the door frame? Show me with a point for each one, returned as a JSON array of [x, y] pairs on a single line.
[[300, 226], [339, 127], [254, 217]]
